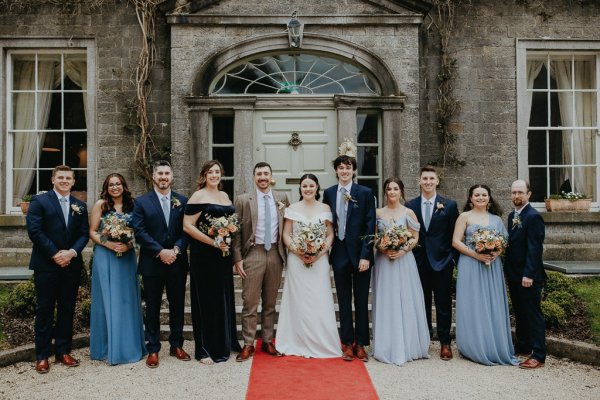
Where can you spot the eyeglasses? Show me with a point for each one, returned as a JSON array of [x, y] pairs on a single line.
[[115, 185]]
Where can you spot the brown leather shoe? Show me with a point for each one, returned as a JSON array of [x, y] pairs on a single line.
[[42, 366], [446, 352], [67, 360], [347, 352], [269, 348], [152, 360], [179, 353], [245, 354], [360, 353], [531, 363]]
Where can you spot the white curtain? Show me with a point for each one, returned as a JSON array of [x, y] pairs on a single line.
[[77, 72], [533, 70], [26, 145], [577, 109]]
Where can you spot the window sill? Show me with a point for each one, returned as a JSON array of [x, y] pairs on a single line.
[[571, 217], [12, 220]]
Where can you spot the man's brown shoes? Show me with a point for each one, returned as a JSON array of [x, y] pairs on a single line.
[[67, 360], [360, 353], [41, 366], [269, 348], [245, 354], [152, 360], [347, 352], [446, 352], [531, 363], [179, 353]]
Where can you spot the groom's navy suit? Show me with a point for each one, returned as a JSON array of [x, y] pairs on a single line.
[[345, 256], [524, 259], [55, 286], [153, 235], [435, 260]]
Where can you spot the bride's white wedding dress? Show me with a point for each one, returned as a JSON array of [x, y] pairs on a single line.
[[307, 325]]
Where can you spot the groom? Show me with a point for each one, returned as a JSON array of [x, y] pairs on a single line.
[[163, 262], [525, 275], [434, 255], [353, 209], [259, 257], [57, 224]]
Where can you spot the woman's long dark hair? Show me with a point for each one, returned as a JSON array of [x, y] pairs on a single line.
[[396, 180], [205, 167], [312, 178], [109, 203], [493, 206]]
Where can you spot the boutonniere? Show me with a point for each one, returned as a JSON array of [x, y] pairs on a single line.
[[76, 209], [280, 205], [439, 206], [348, 198], [516, 222], [175, 201]]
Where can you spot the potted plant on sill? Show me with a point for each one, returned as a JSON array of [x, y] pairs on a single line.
[[24, 204], [571, 201]]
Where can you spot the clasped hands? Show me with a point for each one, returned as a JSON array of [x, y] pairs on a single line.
[[63, 258], [487, 258], [167, 256]]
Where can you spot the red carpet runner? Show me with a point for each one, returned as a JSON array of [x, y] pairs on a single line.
[[291, 378]]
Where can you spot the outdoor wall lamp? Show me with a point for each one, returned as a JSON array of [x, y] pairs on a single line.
[[295, 30]]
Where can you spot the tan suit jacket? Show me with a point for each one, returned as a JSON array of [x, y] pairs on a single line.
[[246, 206]]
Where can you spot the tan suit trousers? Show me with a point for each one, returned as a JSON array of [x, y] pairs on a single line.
[[263, 278]]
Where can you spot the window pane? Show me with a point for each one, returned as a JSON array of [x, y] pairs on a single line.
[[76, 149], [560, 180], [583, 180], [225, 156], [54, 118], [21, 187], [541, 81], [367, 160], [23, 111], [373, 184], [222, 129], [585, 109], [536, 147], [537, 180], [48, 72], [228, 188], [539, 109], [45, 179], [584, 147], [23, 72], [74, 112], [25, 147], [585, 74], [52, 150], [559, 105], [367, 127], [80, 188], [560, 147]]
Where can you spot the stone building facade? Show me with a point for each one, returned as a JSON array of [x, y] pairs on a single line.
[[227, 84]]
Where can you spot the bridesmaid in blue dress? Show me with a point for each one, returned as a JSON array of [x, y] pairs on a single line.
[[400, 331], [211, 273], [483, 330], [116, 326]]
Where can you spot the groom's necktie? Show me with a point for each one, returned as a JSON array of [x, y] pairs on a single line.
[[342, 214], [166, 209], [268, 233], [64, 205], [427, 218]]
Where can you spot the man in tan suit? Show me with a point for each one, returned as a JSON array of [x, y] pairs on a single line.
[[259, 256]]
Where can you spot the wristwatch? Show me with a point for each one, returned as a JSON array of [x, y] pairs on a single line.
[[176, 250]]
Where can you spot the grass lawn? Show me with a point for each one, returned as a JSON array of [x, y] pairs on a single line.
[[4, 289], [589, 290]]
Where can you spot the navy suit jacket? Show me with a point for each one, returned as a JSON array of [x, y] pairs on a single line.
[[525, 246], [47, 230], [152, 234], [360, 222], [435, 244]]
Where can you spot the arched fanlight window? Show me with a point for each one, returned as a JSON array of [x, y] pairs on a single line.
[[295, 73]]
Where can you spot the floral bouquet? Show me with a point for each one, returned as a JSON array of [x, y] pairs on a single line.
[[115, 228], [393, 237], [309, 238], [488, 241], [222, 229]]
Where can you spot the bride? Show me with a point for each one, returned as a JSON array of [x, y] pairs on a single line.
[[307, 325]]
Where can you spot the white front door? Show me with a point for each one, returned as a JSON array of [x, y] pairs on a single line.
[[314, 133]]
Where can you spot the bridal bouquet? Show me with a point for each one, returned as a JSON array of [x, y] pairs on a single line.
[[222, 229], [115, 228], [488, 241], [309, 238], [392, 237]]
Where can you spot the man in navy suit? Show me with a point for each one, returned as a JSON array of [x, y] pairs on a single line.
[[57, 224], [163, 262], [353, 208], [435, 256], [524, 270]]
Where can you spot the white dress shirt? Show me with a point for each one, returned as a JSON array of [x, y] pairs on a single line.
[[259, 235], [160, 196]]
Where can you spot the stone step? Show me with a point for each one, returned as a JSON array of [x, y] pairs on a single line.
[[574, 267], [12, 273], [572, 252], [188, 332], [20, 256]]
